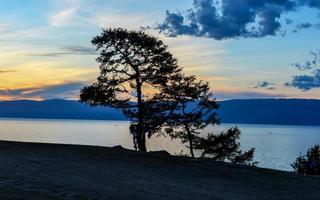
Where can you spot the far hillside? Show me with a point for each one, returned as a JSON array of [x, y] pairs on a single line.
[[249, 111], [271, 111]]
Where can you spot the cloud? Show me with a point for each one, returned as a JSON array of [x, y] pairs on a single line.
[[67, 50], [289, 21], [227, 19], [310, 3], [7, 71], [93, 14], [310, 81], [122, 19], [309, 64], [305, 82], [265, 85], [226, 95], [60, 91], [77, 49], [305, 25], [62, 18]]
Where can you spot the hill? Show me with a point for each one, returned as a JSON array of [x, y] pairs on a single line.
[[271, 111], [65, 172], [56, 109], [249, 111]]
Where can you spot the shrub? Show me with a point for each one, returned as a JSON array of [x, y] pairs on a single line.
[[225, 147], [308, 164]]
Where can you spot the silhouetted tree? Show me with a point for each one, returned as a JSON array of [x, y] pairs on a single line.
[[131, 64], [308, 164], [192, 108], [224, 147]]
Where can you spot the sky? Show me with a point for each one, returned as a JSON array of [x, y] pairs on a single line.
[[243, 48]]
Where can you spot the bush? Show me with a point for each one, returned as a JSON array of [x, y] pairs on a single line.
[[225, 147], [308, 164]]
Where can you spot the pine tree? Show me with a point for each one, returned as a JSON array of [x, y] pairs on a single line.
[[225, 147], [131, 64], [308, 164], [192, 108]]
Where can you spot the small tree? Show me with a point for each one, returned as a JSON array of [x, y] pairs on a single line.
[[225, 147], [192, 108], [308, 164], [131, 64]]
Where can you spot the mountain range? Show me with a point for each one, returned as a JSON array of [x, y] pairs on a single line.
[[244, 111]]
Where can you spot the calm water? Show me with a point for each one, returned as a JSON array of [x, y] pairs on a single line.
[[276, 146]]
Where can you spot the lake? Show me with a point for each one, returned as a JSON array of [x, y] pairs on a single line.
[[277, 146]]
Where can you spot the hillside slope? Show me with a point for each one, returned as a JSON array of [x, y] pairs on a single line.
[[71, 172], [251, 111]]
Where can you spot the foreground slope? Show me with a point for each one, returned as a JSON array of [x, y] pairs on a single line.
[[44, 171]]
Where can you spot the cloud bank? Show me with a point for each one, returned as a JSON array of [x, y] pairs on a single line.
[[225, 19]]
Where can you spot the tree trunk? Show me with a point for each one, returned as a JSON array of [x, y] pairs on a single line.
[[188, 131], [190, 141], [141, 139]]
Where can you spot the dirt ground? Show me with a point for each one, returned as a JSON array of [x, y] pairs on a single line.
[[50, 171]]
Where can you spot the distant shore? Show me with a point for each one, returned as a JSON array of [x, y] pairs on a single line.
[[245, 111], [53, 171]]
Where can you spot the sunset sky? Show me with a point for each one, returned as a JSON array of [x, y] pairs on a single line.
[[259, 50]]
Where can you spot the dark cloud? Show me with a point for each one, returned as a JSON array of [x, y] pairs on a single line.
[[289, 21], [52, 54], [310, 3], [265, 85], [226, 19], [67, 50], [306, 82], [62, 91], [305, 25], [76, 49], [309, 81], [7, 71]]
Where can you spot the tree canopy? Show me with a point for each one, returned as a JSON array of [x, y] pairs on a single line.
[[308, 164], [192, 108], [133, 67], [140, 77]]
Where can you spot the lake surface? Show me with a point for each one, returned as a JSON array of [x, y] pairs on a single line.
[[276, 146]]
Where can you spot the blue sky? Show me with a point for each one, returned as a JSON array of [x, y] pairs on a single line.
[[46, 53]]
